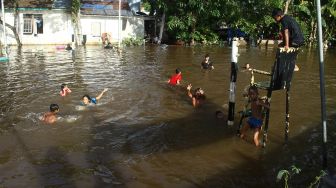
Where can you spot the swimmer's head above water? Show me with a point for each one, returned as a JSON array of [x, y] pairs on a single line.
[[54, 108], [86, 99]]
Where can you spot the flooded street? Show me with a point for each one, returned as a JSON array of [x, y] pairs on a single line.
[[145, 133]]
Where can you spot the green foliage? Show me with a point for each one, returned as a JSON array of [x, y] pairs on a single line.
[[318, 179], [75, 7], [147, 6], [199, 20], [287, 174], [133, 41]]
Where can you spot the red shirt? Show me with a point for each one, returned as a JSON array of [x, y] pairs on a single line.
[[175, 78]]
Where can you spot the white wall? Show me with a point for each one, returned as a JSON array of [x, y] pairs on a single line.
[[135, 27], [130, 27], [57, 28]]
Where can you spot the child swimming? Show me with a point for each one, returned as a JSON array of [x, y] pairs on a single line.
[[50, 117], [197, 97], [176, 78], [86, 99], [64, 90]]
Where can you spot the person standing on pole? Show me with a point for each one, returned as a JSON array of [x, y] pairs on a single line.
[[290, 30]]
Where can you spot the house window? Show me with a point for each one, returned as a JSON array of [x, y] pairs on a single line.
[[95, 29], [32, 24], [27, 25]]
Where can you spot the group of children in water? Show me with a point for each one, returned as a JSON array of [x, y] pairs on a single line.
[[51, 116], [197, 96]]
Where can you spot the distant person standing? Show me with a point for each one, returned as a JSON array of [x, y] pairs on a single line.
[[206, 63], [290, 29]]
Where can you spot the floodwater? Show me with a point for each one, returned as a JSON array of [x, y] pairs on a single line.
[[144, 133]]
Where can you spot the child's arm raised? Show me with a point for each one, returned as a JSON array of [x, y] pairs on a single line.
[[101, 94], [189, 92]]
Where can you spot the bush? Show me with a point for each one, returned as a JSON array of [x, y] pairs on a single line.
[[133, 41], [287, 174]]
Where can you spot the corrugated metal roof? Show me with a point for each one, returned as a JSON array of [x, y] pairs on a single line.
[[105, 7], [88, 7], [41, 4], [61, 4], [107, 12]]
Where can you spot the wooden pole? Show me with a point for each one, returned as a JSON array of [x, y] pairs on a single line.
[[233, 79], [287, 115]]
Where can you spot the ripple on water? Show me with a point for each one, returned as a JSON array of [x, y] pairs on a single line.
[[151, 139], [140, 115]]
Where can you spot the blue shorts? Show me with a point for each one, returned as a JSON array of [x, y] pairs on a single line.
[[254, 122]]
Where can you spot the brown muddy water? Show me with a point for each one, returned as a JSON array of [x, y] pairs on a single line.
[[144, 133]]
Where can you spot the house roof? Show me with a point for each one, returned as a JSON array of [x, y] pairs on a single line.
[[88, 7], [105, 7], [41, 4], [61, 4]]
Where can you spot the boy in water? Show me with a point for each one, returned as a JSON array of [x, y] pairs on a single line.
[[86, 99], [197, 97], [176, 78], [206, 64], [255, 121], [64, 90], [50, 117]]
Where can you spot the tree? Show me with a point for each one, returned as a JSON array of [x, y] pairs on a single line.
[[75, 17], [198, 20], [194, 20], [13, 28], [160, 8]]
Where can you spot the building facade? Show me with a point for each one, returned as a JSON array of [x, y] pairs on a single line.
[[50, 22]]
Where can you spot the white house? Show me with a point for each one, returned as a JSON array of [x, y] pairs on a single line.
[[101, 18], [49, 21]]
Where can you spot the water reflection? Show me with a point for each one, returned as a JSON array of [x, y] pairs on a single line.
[[145, 133]]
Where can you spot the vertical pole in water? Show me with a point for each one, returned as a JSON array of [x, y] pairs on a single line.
[[119, 19], [233, 79], [4, 26], [322, 85], [287, 115]]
